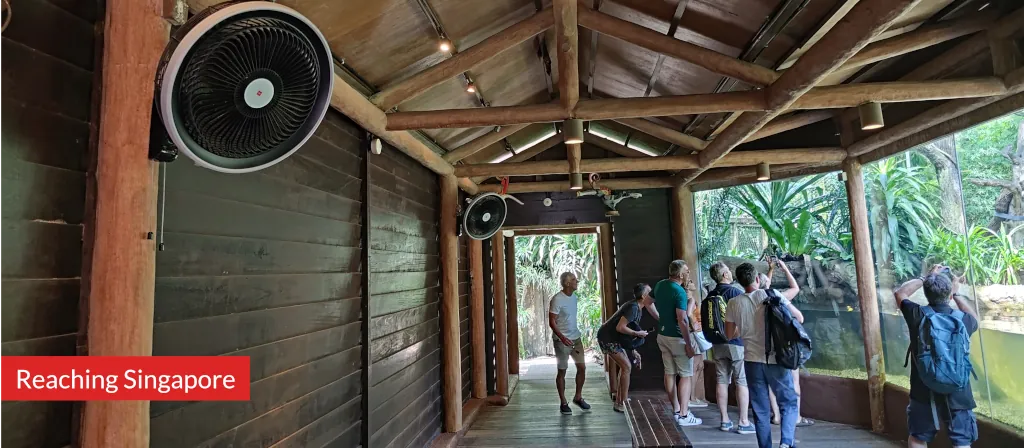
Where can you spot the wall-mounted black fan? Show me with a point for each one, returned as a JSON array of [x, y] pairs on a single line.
[[485, 215], [243, 85]]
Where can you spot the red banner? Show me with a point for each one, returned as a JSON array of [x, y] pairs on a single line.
[[155, 378]]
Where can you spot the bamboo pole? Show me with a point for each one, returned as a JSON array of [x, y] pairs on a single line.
[[567, 42], [121, 270], [669, 135], [670, 46], [864, 21], [865, 268], [476, 316], [624, 164], [451, 365], [500, 318], [463, 61], [479, 143], [513, 305]]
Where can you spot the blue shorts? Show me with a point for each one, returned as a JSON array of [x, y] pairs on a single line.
[[961, 423]]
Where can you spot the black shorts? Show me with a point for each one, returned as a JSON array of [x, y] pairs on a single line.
[[960, 423]]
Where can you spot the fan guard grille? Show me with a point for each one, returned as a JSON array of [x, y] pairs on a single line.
[[210, 94], [485, 216]]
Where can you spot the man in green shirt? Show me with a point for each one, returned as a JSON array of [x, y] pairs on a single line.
[[673, 339]]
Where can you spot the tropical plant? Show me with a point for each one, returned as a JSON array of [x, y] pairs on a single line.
[[790, 211], [901, 213], [988, 257], [714, 211]]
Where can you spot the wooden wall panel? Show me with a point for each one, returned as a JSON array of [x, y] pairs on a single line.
[[464, 338], [48, 52], [405, 377], [267, 265], [643, 250]]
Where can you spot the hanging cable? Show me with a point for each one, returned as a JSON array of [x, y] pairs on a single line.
[[163, 205]]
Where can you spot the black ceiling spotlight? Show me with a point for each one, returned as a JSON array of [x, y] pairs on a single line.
[[243, 85]]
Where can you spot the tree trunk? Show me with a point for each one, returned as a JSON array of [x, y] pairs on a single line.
[[942, 154]]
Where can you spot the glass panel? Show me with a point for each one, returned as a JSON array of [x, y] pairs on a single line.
[[805, 222]]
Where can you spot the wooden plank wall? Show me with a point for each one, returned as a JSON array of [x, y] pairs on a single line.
[[49, 54], [643, 250], [267, 265], [464, 329], [405, 376]]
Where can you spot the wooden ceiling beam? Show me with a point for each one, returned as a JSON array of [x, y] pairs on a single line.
[[934, 116], [661, 106], [669, 135], [561, 185], [528, 153], [853, 95], [567, 47], [347, 100], [922, 37], [790, 122], [731, 179], [865, 20], [510, 37], [476, 117], [670, 46], [615, 147], [478, 144], [629, 164]]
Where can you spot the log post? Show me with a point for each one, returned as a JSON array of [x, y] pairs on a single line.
[[573, 151], [865, 267], [513, 305], [476, 316], [500, 322], [608, 291], [567, 40], [451, 364], [122, 267], [684, 236]]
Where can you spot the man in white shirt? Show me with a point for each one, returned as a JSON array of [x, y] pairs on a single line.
[[567, 340], [744, 319]]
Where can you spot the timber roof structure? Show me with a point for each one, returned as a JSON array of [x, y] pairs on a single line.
[[672, 91]]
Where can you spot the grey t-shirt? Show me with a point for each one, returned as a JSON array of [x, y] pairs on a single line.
[[747, 312]]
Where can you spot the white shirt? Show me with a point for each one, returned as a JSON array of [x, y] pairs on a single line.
[[565, 307], [747, 312]]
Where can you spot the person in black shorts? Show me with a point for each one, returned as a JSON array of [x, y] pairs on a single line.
[[617, 338], [955, 409]]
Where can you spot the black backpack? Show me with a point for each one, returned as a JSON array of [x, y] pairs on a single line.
[[712, 317], [784, 334]]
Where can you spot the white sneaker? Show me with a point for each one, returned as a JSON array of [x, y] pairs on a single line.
[[689, 420]]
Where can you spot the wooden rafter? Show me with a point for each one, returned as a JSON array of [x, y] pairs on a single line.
[[464, 61], [481, 142], [626, 164], [669, 135], [669, 46], [865, 20], [528, 153], [567, 48], [790, 122], [615, 147], [852, 95]]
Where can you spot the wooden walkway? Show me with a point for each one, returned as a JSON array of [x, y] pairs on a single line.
[[532, 419]]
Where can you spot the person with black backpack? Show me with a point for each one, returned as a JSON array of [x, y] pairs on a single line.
[[620, 336], [728, 353], [940, 386], [751, 317]]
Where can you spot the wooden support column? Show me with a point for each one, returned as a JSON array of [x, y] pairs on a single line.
[[476, 318], [451, 363], [567, 41], [500, 319], [513, 305], [865, 267], [606, 250], [121, 272], [573, 152], [684, 236]]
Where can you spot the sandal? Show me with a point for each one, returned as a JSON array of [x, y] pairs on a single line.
[[804, 421]]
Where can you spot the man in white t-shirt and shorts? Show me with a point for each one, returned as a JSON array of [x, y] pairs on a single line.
[[567, 340]]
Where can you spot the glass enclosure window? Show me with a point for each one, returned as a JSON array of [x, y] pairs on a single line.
[[805, 222], [957, 201]]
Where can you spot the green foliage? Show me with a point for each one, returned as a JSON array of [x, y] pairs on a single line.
[[987, 257], [714, 210], [901, 197], [979, 150]]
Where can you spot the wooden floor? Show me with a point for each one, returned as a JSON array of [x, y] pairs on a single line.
[[532, 419]]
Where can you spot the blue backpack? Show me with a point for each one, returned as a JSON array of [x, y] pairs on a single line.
[[943, 351]]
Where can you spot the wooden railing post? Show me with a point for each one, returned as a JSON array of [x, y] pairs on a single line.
[[865, 267], [476, 318], [513, 305], [500, 322], [451, 364], [122, 273]]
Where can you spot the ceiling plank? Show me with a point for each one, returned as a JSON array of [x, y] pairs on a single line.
[[669, 135], [628, 164], [670, 46], [567, 47], [395, 94], [865, 20], [479, 143]]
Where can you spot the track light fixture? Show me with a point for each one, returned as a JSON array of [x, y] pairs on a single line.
[[870, 116], [471, 88], [572, 131], [445, 45], [763, 171]]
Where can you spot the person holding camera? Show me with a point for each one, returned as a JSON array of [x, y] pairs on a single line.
[[619, 337], [940, 387]]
